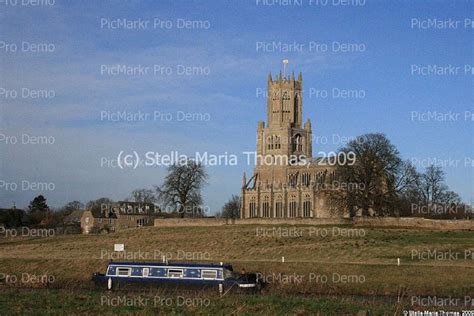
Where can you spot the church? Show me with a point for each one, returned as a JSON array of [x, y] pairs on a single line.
[[287, 182]]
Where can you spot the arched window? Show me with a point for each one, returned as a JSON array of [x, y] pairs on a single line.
[[297, 143], [277, 142], [253, 207], [279, 206], [293, 180], [293, 206], [269, 142], [307, 206], [266, 207], [273, 142], [306, 179], [296, 102], [321, 178], [276, 95]]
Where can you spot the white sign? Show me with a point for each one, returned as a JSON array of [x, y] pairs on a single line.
[[119, 247]]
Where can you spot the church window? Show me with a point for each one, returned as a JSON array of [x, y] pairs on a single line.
[[273, 142], [307, 206], [277, 142], [269, 142], [279, 206], [293, 206], [321, 179], [266, 207], [297, 143], [276, 95], [253, 207], [293, 180], [306, 179]]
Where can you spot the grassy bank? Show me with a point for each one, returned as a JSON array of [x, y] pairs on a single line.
[[318, 260], [40, 302]]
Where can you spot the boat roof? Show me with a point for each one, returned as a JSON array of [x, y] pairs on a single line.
[[173, 264]]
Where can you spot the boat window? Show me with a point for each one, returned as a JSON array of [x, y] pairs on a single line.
[[175, 273], [146, 272], [209, 274], [111, 270], [123, 271], [228, 273]]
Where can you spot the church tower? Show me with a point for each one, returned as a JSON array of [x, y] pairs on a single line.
[[287, 181], [284, 104], [284, 134]]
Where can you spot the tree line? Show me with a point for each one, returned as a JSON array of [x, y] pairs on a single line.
[[179, 195], [386, 185]]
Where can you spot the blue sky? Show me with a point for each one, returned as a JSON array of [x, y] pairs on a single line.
[[227, 91]]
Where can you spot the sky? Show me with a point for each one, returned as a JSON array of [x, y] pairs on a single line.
[[402, 68]]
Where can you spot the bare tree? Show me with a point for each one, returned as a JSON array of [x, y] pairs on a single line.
[[231, 208], [408, 179], [376, 171], [100, 205], [143, 196], [390, 186], [72, 206], [406, 189], [436, 197], [181, 189], [450, 197], [432, 186]]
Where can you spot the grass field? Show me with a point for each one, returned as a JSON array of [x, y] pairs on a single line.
[[327, 269]]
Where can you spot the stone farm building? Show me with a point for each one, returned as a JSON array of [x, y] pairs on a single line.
[[118, 216]]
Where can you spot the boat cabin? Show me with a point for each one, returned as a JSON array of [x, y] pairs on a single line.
[[120, 274]]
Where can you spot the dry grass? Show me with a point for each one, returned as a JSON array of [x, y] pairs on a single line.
[[370, 256]]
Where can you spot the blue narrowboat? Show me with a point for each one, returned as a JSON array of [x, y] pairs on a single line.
[[187, 275]]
